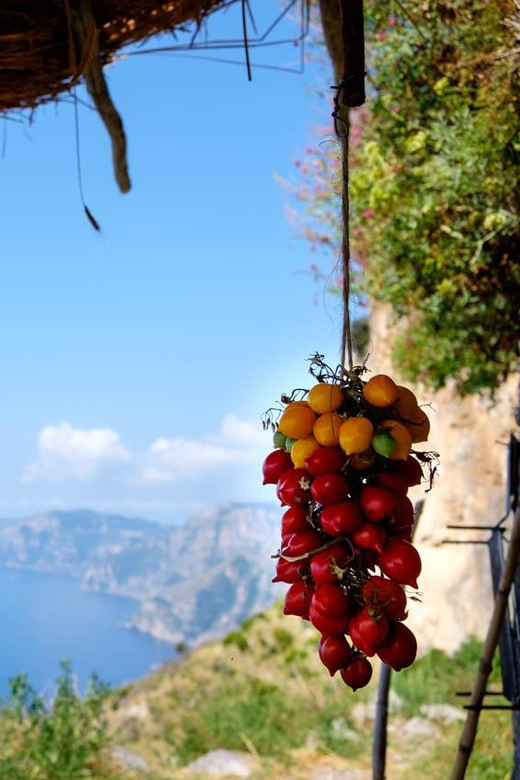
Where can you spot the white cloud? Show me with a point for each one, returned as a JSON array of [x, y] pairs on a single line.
[[242, 432], [68, 453], [172, 460]]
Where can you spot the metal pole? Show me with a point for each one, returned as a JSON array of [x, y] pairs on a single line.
[[380, 724]]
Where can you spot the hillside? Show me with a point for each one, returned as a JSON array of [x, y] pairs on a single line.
[[263, 693], [192, 583]]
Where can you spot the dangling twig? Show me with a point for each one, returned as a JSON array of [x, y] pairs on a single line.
[[89, 65], [91, 218]]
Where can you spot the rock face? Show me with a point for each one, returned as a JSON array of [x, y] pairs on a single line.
[[222, 763], [470, 435], [191, 583]]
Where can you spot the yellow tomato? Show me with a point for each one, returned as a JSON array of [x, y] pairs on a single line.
[[301, 450]]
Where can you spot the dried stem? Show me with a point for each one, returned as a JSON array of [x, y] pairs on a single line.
[[90, 65], [307, 555]]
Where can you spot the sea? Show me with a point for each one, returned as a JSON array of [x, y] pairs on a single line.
[[46, 618]]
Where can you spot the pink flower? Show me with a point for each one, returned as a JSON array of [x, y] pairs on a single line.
[[368, 213], [392, 21], [380, 36], [357, 232]]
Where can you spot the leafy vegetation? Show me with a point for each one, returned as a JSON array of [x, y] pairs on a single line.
[[58, 741], [267, 696], [263, 691], [435, 186]]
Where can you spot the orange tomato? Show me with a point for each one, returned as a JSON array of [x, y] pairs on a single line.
[[406, 403], [356, 435], [297, 420], [326, 429], [380, 391], [419, 426], [324, 398]]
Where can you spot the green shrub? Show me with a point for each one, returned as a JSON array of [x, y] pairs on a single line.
[[435, 195], [57, 741]]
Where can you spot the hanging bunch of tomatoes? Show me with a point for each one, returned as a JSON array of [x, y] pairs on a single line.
[[342, 464]]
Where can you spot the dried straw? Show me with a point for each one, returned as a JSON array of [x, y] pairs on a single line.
[[41, 54]]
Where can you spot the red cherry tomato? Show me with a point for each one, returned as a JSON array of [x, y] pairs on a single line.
[[295, 520], [303, 543], [410, 469], [339, 519], [386, 594], [328, 625], [377, 503], [325, 460], [405, 516], [331, 601], [329, 489], [400, 648], [329, 565], [369, 536], [334, 652], [298, 600], [402, 533], [293, 487], [393, 481], [401, 562], [274, 465], [288, 571], [358, 673], [368, 629]]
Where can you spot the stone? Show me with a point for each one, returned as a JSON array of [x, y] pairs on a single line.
[[420, 727], [331, 773], [445, 713], [366, 711], [340, 728], [125, 759], [363, 712], [222, 763]]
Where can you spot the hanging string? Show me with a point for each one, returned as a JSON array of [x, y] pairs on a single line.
[[346, 334], [93, 221], [350, 92], [341, 127]]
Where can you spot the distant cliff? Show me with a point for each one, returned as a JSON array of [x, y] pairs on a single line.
[[192, 583]]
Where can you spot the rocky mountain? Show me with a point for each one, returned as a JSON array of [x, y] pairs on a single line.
[[192, 582]]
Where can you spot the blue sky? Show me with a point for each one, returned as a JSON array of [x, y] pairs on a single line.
[[135, 364]]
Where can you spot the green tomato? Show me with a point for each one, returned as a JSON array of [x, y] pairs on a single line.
[[384, 444], [279, 440], [289, 443]]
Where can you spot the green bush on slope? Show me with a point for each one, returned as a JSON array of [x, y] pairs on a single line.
[[58, 741]]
